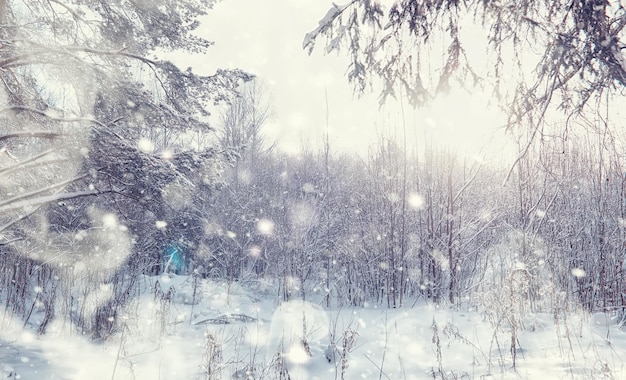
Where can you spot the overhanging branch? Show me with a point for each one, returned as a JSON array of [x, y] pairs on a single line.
[[37, 134]]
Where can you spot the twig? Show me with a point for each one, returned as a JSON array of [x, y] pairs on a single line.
[[376, 365]]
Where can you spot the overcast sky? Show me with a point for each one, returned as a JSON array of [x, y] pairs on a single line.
[[265, 37]]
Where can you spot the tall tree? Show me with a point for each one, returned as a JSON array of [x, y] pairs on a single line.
[[80, 96], [72, 67]]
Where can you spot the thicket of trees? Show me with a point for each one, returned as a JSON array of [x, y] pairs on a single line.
[[430, 224], [98, 183]]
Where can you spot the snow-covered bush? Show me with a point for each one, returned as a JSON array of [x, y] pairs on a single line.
[[513, 279]]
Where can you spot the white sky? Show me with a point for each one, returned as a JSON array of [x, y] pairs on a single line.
[[265, 37]]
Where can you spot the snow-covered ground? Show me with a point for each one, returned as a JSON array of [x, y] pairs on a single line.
[[225, 332]]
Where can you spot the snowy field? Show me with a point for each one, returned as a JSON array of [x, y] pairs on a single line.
[[222, 331]]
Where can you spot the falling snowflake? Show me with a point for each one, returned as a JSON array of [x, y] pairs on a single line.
[[145, 145], [254, 251], [265, 227], [578, 273], [297, 354], [416, 201], [109, 220]]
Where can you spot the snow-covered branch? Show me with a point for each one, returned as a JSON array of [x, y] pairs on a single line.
[[56, 115], [29, 134], [8, 203], [39, 201]]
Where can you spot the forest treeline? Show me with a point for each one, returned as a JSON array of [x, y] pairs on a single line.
[[108, 172], [391, 228], [427, 224], [394, 227]]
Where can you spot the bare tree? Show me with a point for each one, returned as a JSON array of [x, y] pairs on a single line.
[[241, 124]]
